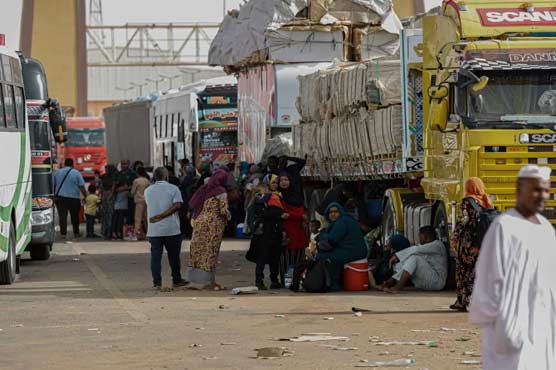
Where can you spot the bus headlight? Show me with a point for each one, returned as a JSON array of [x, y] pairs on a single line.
[[42, 217]]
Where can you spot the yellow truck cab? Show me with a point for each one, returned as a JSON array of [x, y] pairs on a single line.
[[489, 88]]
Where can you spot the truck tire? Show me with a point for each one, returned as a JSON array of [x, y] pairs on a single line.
[[8, 268], [40, 252], [388, 221], [440, 224]]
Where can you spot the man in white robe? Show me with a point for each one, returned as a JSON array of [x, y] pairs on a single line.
[[514, 299], [425, 265]]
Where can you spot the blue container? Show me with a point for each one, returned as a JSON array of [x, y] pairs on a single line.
[[239, 232]]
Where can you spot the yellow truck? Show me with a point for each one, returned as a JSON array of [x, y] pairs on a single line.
[[478, 98], [489, 87]]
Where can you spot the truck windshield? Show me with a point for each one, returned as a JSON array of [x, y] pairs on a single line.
[[86, 137], [39, 132], [513, 97]]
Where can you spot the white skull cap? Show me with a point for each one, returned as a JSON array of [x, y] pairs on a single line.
[[532, 171]]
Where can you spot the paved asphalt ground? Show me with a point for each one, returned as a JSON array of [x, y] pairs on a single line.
[[91, 307]]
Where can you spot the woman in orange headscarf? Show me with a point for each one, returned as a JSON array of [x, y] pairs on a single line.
[[464, 240]]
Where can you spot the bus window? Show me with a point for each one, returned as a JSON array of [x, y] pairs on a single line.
[[7, 69], [176, 126], [2, 120], [9, 106], [172, 127], [19, 107]]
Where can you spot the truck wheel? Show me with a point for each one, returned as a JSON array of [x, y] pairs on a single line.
[[40, 252], [440, 224], [9, 266], [388, 221]]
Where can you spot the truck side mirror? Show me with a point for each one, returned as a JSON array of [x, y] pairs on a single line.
[[439, 114], [438, 92], [439, 107], [480, 85], [57, 118]]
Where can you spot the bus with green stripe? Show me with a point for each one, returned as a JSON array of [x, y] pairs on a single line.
[[15, 167]]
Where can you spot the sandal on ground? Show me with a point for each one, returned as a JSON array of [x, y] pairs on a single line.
[[457, 306]]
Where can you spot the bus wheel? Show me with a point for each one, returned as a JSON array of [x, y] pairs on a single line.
[[9, 266], [40, 252]]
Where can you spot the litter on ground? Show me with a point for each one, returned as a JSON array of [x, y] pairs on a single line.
[[272, 352], [337, 348], [317, 338], [471, 362], [392, 363], [245, 290], [421, 343]]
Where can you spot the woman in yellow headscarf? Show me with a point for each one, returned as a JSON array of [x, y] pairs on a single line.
[[464, 240]]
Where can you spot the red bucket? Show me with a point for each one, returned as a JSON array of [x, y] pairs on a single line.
[[356, 276]]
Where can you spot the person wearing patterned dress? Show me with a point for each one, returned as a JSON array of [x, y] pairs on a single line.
[[463, 241], [211, 214]]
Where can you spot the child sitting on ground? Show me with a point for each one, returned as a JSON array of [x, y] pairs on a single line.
[[266, 243], [311, 251], [91, 208]]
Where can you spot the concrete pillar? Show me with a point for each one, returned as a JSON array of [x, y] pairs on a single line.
[[53, 31]]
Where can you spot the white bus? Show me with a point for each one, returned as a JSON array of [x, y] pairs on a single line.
[[15, 167]]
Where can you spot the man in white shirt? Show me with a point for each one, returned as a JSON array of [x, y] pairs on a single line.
[[514, 298], [163, 203]]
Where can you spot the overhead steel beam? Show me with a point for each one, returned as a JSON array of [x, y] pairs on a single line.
[[151, 44], [147, 64]]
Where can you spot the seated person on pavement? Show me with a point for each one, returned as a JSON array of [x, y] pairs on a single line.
[[425, 265], [340, 243]]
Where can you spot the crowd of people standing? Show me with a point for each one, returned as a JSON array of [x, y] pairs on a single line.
[[269, 200]]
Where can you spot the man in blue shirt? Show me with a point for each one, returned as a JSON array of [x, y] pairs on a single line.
[[163, 203], [68, 186]]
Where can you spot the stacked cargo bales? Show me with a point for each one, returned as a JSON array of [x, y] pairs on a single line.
[[264, 35], [351, 120]]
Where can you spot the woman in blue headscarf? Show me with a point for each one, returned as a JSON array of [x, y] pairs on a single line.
[[340, 243]]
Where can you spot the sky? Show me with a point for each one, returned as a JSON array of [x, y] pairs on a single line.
[[117, 12]]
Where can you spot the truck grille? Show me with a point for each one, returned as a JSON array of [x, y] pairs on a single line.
[[499, 173], [37, 112]]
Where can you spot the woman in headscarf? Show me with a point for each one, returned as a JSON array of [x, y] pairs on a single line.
[[206, 172], [295, 220], [210, 216], [463, 240], [344, 241]]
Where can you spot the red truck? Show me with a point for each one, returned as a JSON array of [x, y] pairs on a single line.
[[86, 145]]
